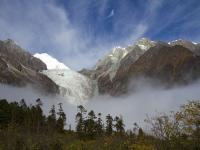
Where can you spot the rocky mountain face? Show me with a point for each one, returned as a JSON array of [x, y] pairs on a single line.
[[109, 65], [194, 47], [169, 64], [11, 50], [173, 63], [20, 68]]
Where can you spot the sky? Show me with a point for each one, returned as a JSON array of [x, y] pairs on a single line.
[[79, 32]]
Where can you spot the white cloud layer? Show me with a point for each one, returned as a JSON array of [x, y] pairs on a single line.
[[147, 99]]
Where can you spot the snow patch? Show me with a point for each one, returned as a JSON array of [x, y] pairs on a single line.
[[194, 43], [50, 62], [143, 47]]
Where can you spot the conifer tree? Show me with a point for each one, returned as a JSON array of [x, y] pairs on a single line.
[[109, 125], [99, 125], [39, 114], [90, 124], [119, 125], [80, 120], [51, 119], [61, 118]]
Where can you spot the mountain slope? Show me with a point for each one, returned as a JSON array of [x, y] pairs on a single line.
[[170, 66], [10, 50], [194, 47], [109, 65], [172, 63], [20, 68]]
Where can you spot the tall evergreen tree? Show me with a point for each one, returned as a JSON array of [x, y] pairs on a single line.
[[109, 124], [61, 118], [90, 124], [40, 118], [51, 119], [99, 125], [119, 125], [80, 120]]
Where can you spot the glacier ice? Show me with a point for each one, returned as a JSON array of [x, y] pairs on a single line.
[[51, 62], [76, 87]]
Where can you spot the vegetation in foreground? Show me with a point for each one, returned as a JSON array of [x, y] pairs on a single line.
[[25, 127]]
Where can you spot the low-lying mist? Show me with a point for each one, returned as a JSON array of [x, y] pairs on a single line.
[[146, 100]]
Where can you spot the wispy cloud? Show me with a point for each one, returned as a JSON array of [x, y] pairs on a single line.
[[77, 33], [112, 13], [42, 26]]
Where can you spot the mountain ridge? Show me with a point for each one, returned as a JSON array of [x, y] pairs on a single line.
[[173, 63]]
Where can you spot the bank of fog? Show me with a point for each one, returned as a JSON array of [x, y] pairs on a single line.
[[145, 100]]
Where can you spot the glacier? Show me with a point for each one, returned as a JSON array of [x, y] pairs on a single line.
[[75, 87], [50, 62]]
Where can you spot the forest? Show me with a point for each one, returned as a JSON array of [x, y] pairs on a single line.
[[26, 127]]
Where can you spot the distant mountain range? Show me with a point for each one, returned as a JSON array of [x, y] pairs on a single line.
[[170, 64], [173, 63]]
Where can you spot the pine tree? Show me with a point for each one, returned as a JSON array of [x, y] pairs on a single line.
[[40, 119], [119, 125], [109, 125], [51, 119], [99, 125], [23, 103], [80, 120], [61, 119], [90, 124]]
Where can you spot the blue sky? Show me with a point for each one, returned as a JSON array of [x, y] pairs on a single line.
[[79, 32]]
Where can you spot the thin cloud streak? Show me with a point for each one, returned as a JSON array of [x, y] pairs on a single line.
[[112, 13]]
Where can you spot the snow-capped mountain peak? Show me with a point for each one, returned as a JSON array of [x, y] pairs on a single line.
[[50, 61], [145, 44]]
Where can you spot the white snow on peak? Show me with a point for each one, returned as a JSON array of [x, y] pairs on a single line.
[[50, 62], [174, 41], [144, 44], [143, 47], [181, 40], [194, 43], [117, 48]]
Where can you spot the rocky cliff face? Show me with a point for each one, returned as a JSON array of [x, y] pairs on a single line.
[[10, 50], [194, 47], [173, 63], [20, 68], [105, 70], [170, 66]]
